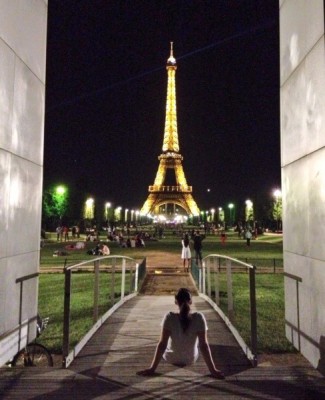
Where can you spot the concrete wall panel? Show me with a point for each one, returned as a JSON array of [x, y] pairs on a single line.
[[28, 115], [24, 207], [301, 26], [7, 75], [23, 26], [303, 173], [302, 120]]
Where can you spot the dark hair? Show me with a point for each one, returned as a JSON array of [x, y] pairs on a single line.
[[183, 298], [186, 240]]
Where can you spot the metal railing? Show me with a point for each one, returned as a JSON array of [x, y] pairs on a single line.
[[215, 282], [93, 290]]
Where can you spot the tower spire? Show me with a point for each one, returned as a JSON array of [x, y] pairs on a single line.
[[170, 142], [179, 194], [171, 58]]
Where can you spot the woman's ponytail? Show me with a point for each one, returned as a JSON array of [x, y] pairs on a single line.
[[183, 299]]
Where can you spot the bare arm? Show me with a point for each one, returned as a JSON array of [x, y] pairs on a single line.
[[206, 353], [160, 349]]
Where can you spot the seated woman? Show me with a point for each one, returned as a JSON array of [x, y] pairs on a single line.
[[183, 335]]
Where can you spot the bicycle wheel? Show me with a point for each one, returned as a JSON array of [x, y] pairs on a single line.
[[35, 355]]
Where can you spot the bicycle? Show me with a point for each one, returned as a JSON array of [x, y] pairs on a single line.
[[34, 354]]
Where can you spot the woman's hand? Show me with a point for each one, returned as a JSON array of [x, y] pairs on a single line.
[[146, 372], [217, 374]]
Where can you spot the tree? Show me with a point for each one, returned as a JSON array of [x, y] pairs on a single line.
[[277, 209], [55, 202]]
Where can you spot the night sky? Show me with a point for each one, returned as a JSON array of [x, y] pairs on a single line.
[[106, 94]]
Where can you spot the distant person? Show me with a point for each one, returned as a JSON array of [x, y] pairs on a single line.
[[197, 240], [183, 334], [186, 253], [223, 237], [58, 233], [66, 233], [248, 237], [105, 250]]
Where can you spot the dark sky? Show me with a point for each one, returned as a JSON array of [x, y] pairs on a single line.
[[106, 96]]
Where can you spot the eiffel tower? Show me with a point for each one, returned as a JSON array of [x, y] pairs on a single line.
[[162, 196]]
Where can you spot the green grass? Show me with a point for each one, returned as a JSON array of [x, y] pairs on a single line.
[[262, 252], [268, 247], [51, 301], [270, 310]]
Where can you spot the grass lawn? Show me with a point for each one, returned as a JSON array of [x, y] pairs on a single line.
[[267, 250]]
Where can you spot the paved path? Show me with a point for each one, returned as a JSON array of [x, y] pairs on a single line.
[[106, 367]]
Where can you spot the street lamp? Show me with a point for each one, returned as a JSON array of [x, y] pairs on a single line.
[[89, 208], [231, 207], [107, 207], [126, 215], [60, 190], [117, 213], [212, 214], [249, 213], [221, 216]]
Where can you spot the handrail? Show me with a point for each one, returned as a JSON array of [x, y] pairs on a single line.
[[298, 280], [97, 259], [134, 281], [203, 279], [231, 259]]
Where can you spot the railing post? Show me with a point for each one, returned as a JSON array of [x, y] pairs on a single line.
[[229, 290], [252, 291], [216, 282], [96, 291], [131, 279], [200, 279], [136, 277], [113, 282], [123, 279], [209, 276], [66, 315], [203, 278]]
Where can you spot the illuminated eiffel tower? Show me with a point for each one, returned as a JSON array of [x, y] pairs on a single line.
[[164, 199]]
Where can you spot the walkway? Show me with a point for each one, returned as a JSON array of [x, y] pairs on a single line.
[[106, 368]]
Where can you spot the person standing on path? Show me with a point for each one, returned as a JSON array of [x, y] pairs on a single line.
[[186, 253], [248, 236], [183, 334], [197, 240]]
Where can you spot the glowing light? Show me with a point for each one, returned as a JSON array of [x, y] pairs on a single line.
[[60, 190], [89, 208]]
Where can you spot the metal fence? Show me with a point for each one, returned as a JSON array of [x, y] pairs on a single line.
[[93, 290], [214, 280]]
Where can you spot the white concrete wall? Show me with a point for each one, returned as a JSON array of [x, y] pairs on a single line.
[[23, 26], [302, 63]]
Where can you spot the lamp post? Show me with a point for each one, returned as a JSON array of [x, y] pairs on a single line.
[[126, 215], [107, 207], [231, 219], [221, 216], [249, 212], [89, 208], [212, 214], [117, 213]]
